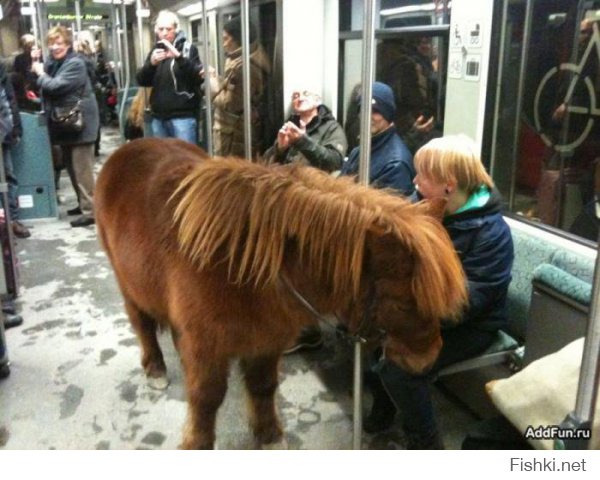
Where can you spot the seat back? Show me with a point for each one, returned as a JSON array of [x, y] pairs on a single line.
[[32, 160]]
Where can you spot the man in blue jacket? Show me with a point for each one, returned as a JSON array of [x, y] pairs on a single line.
[[391, 163]]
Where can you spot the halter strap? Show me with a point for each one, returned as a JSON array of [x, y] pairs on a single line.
[[358, 334]]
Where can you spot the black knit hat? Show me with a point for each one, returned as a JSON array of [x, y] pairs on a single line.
[[384, 101], [234, 28]]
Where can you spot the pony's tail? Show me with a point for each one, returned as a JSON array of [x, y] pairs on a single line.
[[439, 282]]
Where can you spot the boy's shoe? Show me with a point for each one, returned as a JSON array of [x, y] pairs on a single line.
[[12, 320]]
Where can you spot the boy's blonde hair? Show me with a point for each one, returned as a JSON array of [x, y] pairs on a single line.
[[453, 157]]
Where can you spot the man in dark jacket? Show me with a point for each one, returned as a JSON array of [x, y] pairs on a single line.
[[391, 163], [450, 168], [311, 135], [173, 70], [11, 133]]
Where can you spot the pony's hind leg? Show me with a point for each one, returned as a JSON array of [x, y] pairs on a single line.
[[152, 358], [260, 377]]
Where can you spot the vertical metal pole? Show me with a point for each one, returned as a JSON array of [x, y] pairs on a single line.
[[40, 10], [519, 102], [140, 24], [587, 391], [246, 79], [125, 56], [117, 44], [368, 63], [78, 18], [207, 94], [34, 25], [498, 88]]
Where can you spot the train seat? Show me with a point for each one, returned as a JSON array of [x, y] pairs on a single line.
[[548, 302], [529, 253]]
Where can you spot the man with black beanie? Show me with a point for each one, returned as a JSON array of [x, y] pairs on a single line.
[[391, 163]]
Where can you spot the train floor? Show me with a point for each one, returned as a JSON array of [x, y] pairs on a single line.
[[76, 380]]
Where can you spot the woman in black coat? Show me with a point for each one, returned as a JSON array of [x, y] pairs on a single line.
[[63, 81]]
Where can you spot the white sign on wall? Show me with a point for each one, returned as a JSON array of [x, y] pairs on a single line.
[[473, 67], [455, 65], [456, 36], [474, 35]]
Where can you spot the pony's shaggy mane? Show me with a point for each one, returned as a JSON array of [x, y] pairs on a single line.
[[246, 214]]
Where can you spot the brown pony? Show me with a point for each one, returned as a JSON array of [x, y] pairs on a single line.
[[215, 248]]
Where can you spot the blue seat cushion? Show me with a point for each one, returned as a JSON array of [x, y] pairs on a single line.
[[564, 283]]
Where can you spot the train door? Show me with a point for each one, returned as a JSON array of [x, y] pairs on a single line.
[[412, 41]]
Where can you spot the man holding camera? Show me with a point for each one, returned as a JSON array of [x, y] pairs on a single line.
[[311, 135], [173, 70]]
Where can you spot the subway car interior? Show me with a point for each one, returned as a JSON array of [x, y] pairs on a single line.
[[520, 78]]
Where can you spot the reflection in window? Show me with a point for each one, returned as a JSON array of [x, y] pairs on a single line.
[[559, 129]]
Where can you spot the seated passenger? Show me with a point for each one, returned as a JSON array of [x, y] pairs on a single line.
[[310, 135], [450, 168], [391, 162]]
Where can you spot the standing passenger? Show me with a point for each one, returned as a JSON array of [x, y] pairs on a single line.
[[24, 60], [64, 82], [228, 93], [173, 68], [11, 132]]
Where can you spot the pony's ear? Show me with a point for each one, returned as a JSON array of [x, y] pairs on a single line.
[[434, 207]]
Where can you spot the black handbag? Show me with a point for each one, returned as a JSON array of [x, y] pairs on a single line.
[[67, 119]]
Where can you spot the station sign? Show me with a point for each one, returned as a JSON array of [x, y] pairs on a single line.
[[71, 16]]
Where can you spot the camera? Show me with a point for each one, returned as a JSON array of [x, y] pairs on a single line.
[[295, 119], [159, 46]]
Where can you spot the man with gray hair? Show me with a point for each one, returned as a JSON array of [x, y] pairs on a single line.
[[311, 135], [173, 68]]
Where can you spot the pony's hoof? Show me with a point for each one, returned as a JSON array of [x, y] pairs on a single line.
[[279, 445], [158, 383]]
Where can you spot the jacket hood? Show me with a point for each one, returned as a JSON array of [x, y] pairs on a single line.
[[180, 39], [493, 206]]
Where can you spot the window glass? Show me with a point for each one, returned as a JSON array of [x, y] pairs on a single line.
[[410, 61], [546, 156]]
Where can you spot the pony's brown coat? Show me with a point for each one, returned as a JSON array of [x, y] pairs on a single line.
[[200, 245]]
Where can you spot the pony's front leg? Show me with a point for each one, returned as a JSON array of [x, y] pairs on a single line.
[[206, 382], [261, 378], [152, 357]]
